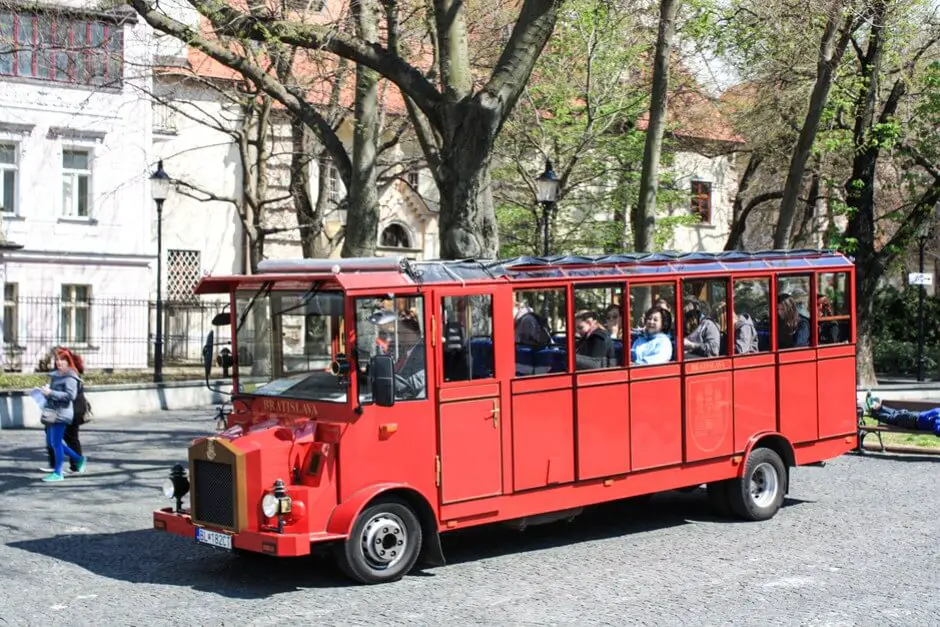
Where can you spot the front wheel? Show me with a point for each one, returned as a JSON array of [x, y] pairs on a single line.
[[384, 543], [758, 494]]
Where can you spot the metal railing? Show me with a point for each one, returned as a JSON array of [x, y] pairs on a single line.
[[109, 333]]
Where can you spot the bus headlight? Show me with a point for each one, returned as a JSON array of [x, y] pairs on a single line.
[[269, 505], [176, 486]]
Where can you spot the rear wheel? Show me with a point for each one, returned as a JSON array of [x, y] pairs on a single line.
[[758, 494], [384, 543]]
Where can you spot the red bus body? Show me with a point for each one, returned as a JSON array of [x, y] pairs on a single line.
[[506, 447]]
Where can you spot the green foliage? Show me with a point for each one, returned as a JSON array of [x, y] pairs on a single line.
[[895, 328]]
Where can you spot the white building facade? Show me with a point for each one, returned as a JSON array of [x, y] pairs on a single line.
[[74, 154]]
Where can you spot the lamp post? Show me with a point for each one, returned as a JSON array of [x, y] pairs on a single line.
[[923, 236], [159, 189], [546, 192]]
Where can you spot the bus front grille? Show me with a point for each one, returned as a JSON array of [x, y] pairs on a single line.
[[213, 497]]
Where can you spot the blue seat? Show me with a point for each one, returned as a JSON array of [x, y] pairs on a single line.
[[481, 357], [618, 352], [525, 360], [551, 359]]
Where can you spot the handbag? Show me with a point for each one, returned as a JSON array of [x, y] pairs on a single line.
[[49, 416]]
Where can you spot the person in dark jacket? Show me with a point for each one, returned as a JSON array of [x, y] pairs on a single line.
[[792, 326], [71, 437], [594, 348], [60, 395]]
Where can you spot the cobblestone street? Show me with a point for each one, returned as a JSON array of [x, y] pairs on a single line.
[[856, 543]]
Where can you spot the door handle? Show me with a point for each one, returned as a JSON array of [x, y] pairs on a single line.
[[495, 414]]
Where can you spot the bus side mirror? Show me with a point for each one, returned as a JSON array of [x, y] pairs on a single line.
[[207, 354], [383, 380]]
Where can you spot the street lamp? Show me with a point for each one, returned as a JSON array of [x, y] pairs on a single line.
[[546, 192], [159, 189], [923, 236]]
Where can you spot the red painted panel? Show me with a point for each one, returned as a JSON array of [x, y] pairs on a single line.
[[468, 389], [753, 361], [702, 366], [541, 383], [542, 439], [471, 463], [603, 430], [797, 394], [655, 423], [755, 403], [654, 372], [709, 425], [796, 356], [602, 376], [836, 350], [836, 390]]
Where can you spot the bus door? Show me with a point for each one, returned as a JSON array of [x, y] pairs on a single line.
[[470, 416]]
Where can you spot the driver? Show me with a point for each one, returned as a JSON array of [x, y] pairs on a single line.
[[410, 369]]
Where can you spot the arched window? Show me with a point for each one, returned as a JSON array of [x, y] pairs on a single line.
[[394, 236]]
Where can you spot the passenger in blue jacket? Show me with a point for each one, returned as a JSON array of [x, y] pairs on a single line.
[[654, 345], [60, 397]]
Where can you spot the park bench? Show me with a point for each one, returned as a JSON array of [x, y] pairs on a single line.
[[880, 428]]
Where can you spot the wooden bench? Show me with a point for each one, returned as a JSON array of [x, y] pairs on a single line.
[[879, 428]]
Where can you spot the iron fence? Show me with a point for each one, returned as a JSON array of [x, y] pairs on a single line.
[[109, 333]]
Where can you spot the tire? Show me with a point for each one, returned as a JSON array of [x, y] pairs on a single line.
[[384, 543], [718, 499], [759, 493]]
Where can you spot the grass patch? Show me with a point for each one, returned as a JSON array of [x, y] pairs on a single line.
[[926, 439], [28, 381]]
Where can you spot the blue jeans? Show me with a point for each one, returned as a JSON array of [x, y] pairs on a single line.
[[54, 435]]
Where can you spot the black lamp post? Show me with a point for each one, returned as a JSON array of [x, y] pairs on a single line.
[[923, 236], [159, 189], [546, 191]]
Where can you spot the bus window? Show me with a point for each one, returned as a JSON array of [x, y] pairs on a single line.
[[652, 338], [704, 318], [393, 326], [794, 316], [539, 318], [833, 308], [597, 322], [467, 343], [751, 316]]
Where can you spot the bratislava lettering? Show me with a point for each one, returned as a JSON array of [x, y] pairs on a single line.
[[279, 405]]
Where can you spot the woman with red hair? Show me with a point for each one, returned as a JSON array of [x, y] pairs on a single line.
[[60, 398], [71, 437]]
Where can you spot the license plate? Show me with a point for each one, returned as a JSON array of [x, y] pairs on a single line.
[[214, 538]]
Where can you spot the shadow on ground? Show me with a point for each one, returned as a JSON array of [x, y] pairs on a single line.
[[150, 557]]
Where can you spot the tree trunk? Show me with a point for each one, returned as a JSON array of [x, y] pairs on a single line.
[[362, 217], [309, 221], [468, 216], [865, 287], [738, 217], [833, 45], [644, 213]]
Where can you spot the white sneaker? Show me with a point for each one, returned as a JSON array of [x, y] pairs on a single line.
[[46, 469]]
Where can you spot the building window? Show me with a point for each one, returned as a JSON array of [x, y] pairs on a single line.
[[8, 178], [76, 312], [76, 183], [164, 118], [11, 314], [395, 236], [701, 204], [413, 179], [183, 272], [55, 47]]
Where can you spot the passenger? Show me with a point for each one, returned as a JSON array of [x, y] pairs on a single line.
[[703, 339], [653, 346], [411, 367], [531, 330], [828, 329], [745, 335], [792, 326], [613, 321], [594, 348]]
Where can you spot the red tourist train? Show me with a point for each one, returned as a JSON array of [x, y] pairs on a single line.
[[379, 402]]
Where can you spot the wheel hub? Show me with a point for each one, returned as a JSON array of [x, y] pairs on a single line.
[[384, 540], [764, 485]]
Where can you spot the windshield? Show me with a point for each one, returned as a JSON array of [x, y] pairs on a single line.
[[288, 341]]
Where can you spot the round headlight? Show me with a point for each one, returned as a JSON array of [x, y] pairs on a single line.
[[169, 490], [269, 505]]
